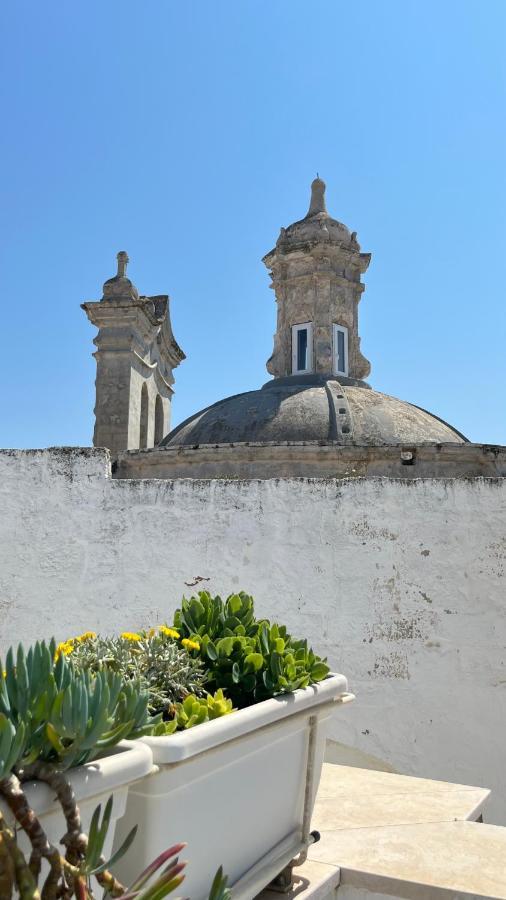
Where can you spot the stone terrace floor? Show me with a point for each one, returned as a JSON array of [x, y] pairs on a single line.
[[388, 835]]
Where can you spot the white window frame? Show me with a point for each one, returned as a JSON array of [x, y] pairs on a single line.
[[336, 329], [295, 331]]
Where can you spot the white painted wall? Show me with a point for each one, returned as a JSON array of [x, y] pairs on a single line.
[[401, 584]]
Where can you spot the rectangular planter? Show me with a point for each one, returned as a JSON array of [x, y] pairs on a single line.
[[240, 790], [93, 783]]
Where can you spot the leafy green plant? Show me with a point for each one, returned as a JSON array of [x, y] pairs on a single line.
[[207, 617], [195, 710], [250, 659], [154, 658]]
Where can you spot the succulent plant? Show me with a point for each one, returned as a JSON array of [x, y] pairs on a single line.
[[54, 715], [154, 658], [250, 659], [205, 616], [62, 714], [195, 710]]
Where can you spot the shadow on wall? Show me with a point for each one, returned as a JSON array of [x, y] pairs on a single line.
[[343, 755]]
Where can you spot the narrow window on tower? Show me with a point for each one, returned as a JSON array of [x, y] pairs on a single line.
[[302, 348], [340, 350]]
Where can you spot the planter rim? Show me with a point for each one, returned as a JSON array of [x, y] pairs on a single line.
[[177, 747], [128, 761]]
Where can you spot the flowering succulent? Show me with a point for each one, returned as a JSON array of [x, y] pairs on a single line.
[[164, 668], [169, 632], [190, 645]]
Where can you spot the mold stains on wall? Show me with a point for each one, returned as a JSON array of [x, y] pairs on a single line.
[[394, 665], [364, 529], [398, 630]]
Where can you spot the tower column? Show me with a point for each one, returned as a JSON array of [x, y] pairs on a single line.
[[136, 354], [315, 268]]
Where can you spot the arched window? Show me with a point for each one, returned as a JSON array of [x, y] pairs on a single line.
[[143, 437], [159, 435]]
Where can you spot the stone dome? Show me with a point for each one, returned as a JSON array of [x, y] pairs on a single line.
[[318, 395], [313, 409]]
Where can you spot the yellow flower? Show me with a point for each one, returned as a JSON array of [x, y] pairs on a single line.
[[86, 636], [131, 636], [65, 648], [168, 632], [190, 645], [151, 633]]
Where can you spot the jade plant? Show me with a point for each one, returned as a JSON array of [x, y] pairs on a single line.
[[194, 711], [249, 658], [54, 716]]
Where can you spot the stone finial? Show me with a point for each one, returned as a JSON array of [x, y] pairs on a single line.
[[120, 287], [123, 260], [317, 204]]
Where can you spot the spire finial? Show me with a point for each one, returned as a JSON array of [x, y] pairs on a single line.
[[120, 287], [123, 261], [317, 204]]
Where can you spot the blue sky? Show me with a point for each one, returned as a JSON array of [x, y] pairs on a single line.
[[188, 133]]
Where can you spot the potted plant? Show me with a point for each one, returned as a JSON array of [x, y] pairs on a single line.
[[239, 787], [56, 723]]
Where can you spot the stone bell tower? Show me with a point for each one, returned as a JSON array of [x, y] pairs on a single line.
[[136, 355], [315, 268]]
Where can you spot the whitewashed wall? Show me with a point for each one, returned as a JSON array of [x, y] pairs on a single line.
[[401, 584]]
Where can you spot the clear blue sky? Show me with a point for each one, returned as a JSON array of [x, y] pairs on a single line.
[[188, 132]]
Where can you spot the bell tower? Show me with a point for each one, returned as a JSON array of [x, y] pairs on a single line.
[[316, 268], [136, 355]]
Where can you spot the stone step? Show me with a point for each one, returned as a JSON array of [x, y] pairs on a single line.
[[419, 862], [384, 834]]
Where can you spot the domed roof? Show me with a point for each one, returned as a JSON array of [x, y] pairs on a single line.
[[312, 408], [315, 269]]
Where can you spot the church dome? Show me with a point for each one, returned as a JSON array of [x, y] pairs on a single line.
[[312, 409], [318, 394]]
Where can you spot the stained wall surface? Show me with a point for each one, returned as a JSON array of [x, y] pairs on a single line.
[[400, 583]]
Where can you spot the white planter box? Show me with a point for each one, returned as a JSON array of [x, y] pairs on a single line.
[[240, 790], [93, 783]]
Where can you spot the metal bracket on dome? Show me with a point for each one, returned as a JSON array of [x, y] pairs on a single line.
[[408, 456]]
